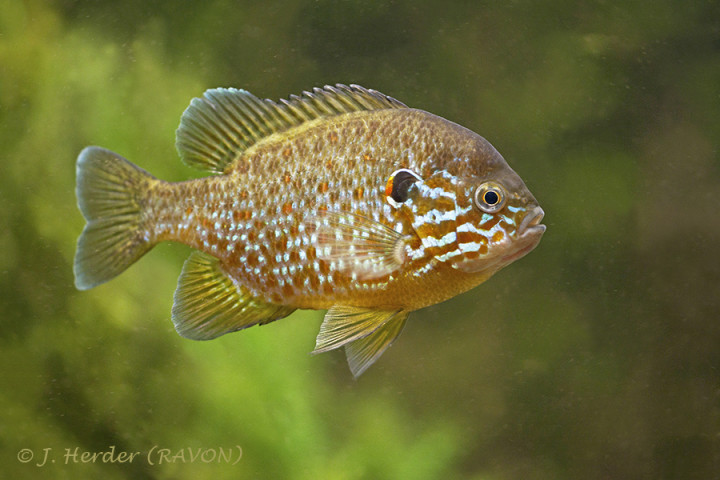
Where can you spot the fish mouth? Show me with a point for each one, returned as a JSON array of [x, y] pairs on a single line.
[[530, 224], [530, 231]]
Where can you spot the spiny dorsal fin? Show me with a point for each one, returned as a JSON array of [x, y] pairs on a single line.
[[208, 303], [217, 128]]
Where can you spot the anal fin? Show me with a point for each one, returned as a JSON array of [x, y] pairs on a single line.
[[208, 303]]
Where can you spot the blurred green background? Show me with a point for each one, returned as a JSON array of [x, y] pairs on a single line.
[[595, 357]]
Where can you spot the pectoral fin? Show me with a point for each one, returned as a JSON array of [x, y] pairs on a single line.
[[364, 332], [357, 245], [208, 303]]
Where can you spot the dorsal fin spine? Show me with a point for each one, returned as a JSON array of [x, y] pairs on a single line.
[[342, 96], [282, 119], [329, 106], [295, 106], [288, 118]]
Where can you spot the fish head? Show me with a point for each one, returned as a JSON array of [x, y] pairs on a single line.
[[474, 221], [497, 221]]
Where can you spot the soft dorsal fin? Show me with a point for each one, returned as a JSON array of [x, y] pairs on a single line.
[[215, 129]]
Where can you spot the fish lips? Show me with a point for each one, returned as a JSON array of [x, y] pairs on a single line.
[[530, 232]]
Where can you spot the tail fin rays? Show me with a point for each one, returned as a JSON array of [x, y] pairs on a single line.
[[110, 193]]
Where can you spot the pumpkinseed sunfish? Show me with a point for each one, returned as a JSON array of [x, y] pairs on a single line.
[[341, 198]]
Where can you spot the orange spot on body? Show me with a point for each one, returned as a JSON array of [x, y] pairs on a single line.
[[287, 208], [288, 290], [299, 283], [359, 192], [497, 236], [221, 243], [323, 187], [242, 215]]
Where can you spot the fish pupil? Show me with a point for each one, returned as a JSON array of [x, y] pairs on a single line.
[[491, 198]]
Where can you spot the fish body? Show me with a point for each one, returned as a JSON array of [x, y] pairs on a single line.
[[341, 199]]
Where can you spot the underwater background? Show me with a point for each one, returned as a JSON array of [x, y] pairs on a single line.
[[596, 357]]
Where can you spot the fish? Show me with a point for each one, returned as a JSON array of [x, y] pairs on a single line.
[[341, 199]]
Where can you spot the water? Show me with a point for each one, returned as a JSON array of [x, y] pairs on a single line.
[[594, 357]]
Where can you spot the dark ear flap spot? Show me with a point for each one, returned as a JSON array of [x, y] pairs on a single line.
[[399, 184]]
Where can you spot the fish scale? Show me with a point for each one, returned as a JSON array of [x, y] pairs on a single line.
[[341, 199]]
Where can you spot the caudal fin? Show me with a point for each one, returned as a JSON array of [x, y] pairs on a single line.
[[111, 193]]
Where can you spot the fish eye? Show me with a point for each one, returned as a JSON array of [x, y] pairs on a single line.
[[490, 197], [398, 186]]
